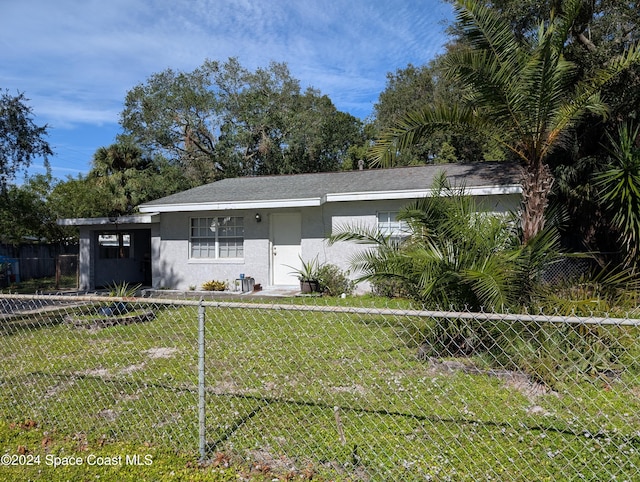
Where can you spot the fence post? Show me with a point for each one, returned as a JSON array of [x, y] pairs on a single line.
[[201, 384]]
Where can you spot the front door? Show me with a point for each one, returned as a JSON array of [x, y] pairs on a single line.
[[286, 235]]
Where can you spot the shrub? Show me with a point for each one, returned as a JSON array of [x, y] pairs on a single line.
[[335, 281], [214, 285], [391, 288]]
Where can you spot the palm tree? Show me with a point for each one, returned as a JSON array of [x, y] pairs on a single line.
[[121, 170], [454, 254], [619, 189], [522, 94]]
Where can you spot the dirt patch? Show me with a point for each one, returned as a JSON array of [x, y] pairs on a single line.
[[516, 380], [94, 323], [108, 414], [354, 389], [530, 389], [263, 460], [58, 387], [160, 352], [132, 369], [230, 388]]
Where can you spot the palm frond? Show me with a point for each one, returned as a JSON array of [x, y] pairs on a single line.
[[619, 189], [492, 281], [492, 62], [585, 97], [359, 233], [534, 257], [419, 124], [485, 30]]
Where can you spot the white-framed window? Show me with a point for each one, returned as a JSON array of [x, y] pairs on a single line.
[[389, 225], [217, 237], [114, 245]]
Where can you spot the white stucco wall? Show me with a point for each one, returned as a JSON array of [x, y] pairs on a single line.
[[173, 269]]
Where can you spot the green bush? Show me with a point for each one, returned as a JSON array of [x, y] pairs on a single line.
[[391, 288], [334, 281]]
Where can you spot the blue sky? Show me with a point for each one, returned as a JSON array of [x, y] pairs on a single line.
[[76, 59]]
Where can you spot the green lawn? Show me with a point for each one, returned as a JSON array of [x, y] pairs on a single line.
[[274, 380], [47, 284]]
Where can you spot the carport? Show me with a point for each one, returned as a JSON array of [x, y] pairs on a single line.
[[114, 250]]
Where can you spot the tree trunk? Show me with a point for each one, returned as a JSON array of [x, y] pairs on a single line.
[[536, 186]]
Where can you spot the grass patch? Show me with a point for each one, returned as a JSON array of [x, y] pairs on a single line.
[[36, 454], [47, 284], [332, 396]]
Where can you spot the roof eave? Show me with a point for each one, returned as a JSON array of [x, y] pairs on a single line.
[[420, 193], [230, 205], [147, 218], [333, 197]]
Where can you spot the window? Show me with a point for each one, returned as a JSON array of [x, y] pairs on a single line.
[[388, 225], [217, 237], [114, 245]]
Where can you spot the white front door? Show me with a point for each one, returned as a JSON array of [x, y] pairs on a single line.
[[286, 235]]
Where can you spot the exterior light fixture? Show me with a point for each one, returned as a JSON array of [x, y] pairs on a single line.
[[258, 217]]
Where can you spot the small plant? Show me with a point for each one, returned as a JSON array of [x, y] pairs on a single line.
[[119, 290], [308, 271], [192, 287], [123, 290], [309, 275], [214, 285]]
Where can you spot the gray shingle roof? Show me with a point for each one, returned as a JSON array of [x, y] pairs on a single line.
[[318, 185]]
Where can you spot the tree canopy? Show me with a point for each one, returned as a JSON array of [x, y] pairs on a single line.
[[602, 30], [27, 212], [522, 92], [21, 140], [182, 129], [413, 88], [222, 120]]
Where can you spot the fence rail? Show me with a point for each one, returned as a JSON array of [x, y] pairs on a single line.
[[351, 392]]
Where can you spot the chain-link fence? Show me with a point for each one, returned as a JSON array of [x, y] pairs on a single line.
[[352, 393]]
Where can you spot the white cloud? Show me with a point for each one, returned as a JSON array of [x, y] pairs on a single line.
[[110, 46], [76, 60]]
